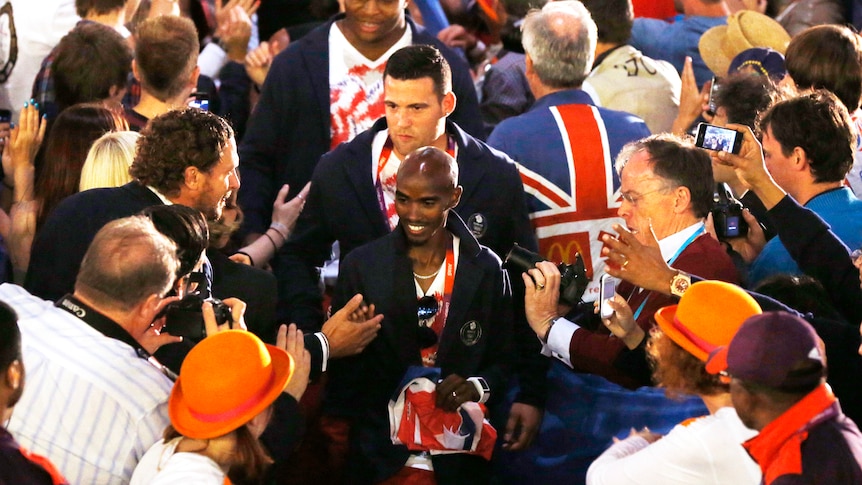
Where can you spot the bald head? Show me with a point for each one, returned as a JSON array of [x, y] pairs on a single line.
[[426, 190], [437, 166]]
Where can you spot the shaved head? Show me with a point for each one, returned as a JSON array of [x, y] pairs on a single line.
[[432, 163]]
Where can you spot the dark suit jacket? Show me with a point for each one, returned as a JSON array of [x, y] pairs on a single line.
[[343, 206], [289, 129], [360, 386]]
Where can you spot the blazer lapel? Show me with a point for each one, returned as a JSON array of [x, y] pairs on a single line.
[[358, 170]]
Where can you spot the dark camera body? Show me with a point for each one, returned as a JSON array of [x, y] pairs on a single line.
[[573, 279], [727, 215], [185, 318]]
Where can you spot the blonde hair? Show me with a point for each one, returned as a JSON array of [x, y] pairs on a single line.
[[108, 161]]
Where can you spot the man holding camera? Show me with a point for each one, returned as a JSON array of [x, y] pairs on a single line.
[[95, 398], [667, 188], [808, 146], [431, 271]]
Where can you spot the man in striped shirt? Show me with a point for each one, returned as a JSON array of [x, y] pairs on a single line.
[[95, 398]]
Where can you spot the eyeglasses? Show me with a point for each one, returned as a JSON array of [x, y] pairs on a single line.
[[633, 197], [426, 309]]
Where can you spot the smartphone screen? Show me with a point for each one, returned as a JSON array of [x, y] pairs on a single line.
[[718, 138], [201, 101], [607, 288]]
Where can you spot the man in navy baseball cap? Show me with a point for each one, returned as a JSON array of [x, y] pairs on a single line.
[[777, 369]]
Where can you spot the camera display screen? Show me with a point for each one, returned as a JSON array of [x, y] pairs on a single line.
[[732, 227], [718, 138]]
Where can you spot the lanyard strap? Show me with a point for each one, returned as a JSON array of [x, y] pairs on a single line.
[[673, 258], [109, 328], [439, 323]]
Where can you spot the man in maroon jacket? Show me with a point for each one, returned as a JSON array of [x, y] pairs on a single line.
[[667, 188]]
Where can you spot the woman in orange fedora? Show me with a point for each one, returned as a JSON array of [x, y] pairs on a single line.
[[705, 450], [220, 405]]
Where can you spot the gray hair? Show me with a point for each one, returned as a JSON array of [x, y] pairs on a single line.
[[561, 41]]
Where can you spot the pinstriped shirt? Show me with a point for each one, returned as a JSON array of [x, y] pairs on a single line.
[[90, 404]]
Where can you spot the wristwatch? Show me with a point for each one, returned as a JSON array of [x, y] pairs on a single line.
[[482, 387], [679, 284]]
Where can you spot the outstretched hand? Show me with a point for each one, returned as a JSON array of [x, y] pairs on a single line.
[[290, 339], [347, 337]]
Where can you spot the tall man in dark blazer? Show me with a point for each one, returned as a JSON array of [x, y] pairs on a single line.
[[431, 261], [352, 201], [325, 89]]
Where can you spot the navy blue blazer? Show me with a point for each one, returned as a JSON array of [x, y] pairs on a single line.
[[289, 129], [343, 206], [360, 386]]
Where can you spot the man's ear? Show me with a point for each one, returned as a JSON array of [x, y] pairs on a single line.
[[192, 177], [456, 197], [682, 201], [800, 159], [449, 102], [151, 307], [14, 375], [135, 71], [193, 78]]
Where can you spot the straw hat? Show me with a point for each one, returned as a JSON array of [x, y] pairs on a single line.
[[707, 317], [745, 29], [225, 381]]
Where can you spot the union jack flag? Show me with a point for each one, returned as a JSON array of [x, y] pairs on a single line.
[[570, 218]]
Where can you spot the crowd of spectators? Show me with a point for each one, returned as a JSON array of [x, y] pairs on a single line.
[[273, 241]]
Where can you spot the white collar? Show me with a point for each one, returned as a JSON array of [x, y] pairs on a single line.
[[671, 245], [160, 195]]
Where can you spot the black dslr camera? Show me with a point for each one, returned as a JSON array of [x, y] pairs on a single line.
[[727, 214], [184, 317], [573, 279]]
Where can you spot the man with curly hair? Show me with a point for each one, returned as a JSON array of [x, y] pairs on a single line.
[[184, 157]]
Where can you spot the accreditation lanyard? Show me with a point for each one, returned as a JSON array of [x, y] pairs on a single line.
[[110, 329], [430, 354], [389, 209], [679, 251]]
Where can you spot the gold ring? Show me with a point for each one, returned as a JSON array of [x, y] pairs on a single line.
[[540, 287], [625, 263]]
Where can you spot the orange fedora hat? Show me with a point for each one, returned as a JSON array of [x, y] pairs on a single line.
[[225, 381], [707, 316]]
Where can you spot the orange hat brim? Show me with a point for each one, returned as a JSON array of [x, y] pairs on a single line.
[[189, 424]]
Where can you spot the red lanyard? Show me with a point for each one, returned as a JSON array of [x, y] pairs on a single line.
[[440, 318]]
